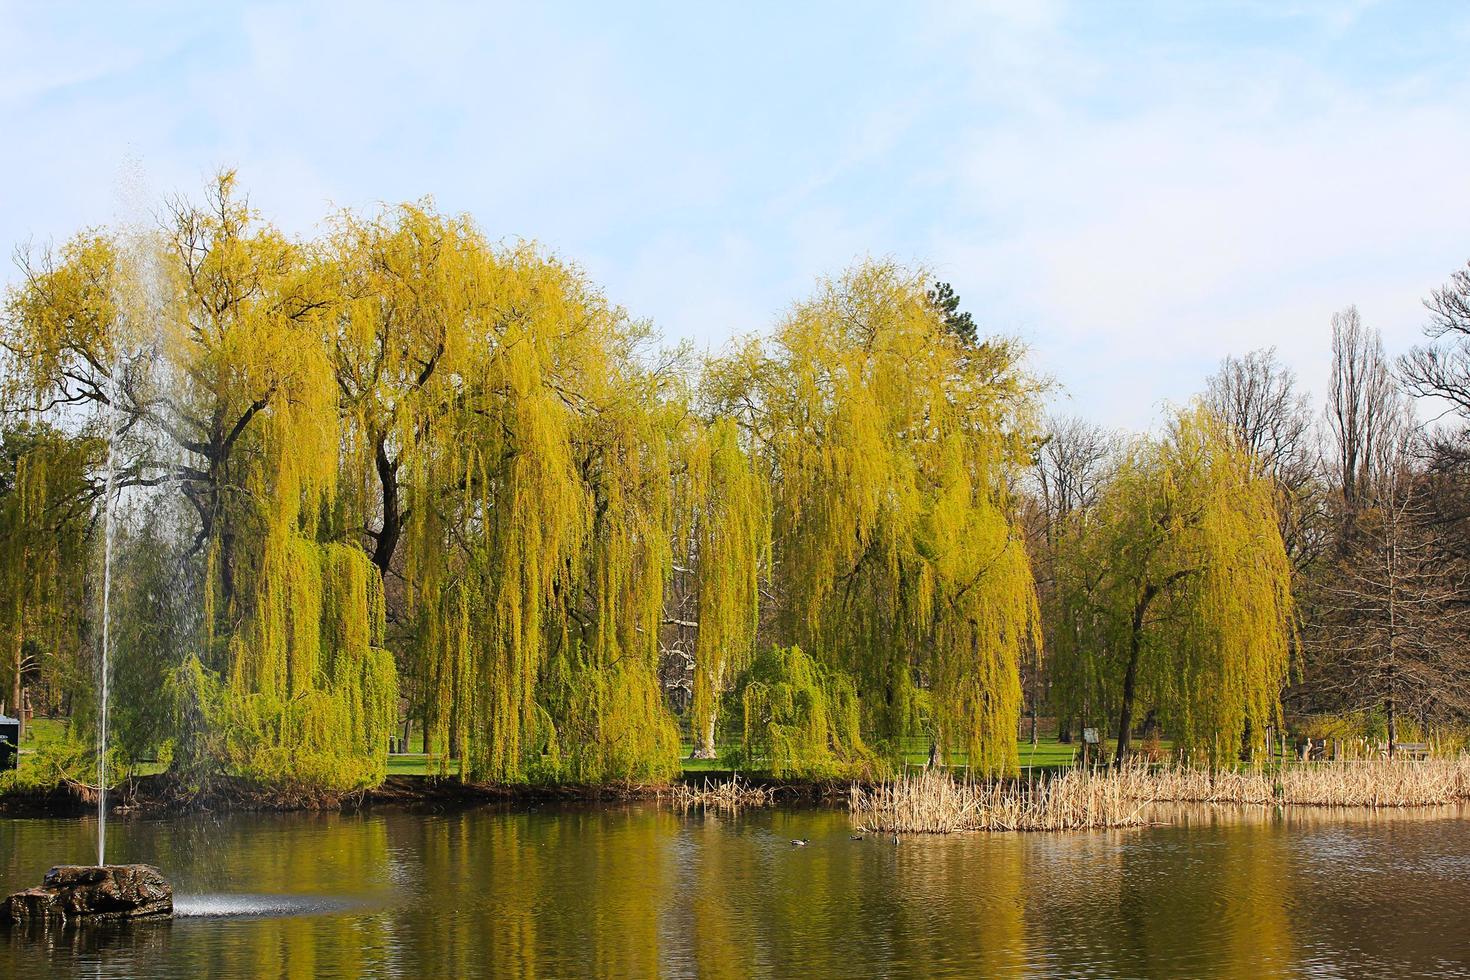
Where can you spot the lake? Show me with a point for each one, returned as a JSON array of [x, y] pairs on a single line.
[[640, 890]]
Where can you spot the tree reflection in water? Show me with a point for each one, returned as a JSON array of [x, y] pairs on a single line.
[[643, 891]]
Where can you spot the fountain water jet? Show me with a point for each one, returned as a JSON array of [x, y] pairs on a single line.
[[109, 505]]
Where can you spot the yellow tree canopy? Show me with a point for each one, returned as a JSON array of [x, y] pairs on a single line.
[[203, 348], [888, 442], [724, 525], [1189, 587]]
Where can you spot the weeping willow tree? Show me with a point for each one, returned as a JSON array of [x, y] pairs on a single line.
[[45, 528], [888, 442], [201, 349], [605, 696], [1082, 686], [725, 526], [1187, 590], [800, 719], [510, 458]]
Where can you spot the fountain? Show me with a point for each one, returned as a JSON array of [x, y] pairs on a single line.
[[102, 893], [109, 505]]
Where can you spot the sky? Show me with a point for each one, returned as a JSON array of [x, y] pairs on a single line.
[[1135, 190]]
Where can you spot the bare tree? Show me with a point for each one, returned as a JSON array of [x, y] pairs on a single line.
[[1071, 467], [1366, 412], [1440, 369], [1391, 617], [1257, 396]]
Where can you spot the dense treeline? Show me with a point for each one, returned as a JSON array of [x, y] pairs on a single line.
[[1358, 615], [399, 480]]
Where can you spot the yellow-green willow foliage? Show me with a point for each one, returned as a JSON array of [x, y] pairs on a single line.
[[43, 556], [207, 342], [726, 523], [1079, 672], [604, 695], [800, 719], [499, 399], [1191, 588], [311, 695], [888, 443]]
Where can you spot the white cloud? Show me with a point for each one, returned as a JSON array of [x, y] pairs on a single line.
[[1136, 248], [1137, 197]]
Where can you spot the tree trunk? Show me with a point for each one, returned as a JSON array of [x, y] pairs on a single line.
[[704, 742], [387, 541], [1393, 727], [1035, 672], [15, 692], [1130, 678], [1150, 724], [1125, 714]]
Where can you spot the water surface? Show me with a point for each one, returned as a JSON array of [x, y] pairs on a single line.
[[643, 891]]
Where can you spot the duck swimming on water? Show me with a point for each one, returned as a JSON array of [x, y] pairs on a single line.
[[801, 843]]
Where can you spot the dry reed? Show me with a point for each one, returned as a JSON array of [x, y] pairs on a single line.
[[935, 803], [1368, 782], [730, 794]]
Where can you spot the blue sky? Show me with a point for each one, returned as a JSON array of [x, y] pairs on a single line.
[[1134, 189]]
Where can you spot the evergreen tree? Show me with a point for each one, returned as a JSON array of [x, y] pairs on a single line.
[[959, 322]]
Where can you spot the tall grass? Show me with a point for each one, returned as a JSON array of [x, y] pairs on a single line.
[[725, 795], [935, 803], [1366, 782]]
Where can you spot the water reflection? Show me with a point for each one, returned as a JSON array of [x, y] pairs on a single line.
[[640, 891]]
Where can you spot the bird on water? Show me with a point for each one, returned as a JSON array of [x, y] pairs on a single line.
[[800, 843]]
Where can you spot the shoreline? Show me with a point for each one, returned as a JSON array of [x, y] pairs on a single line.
[[160, 795], [927, 802]]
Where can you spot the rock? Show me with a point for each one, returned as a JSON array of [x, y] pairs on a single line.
[[113, 891]]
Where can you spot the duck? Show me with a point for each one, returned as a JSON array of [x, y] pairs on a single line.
[[895, 840], [801, 843], [856, 837]]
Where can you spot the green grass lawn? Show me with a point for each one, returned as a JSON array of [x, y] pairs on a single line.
[[1048, 753], [415, 764], [43, 731]]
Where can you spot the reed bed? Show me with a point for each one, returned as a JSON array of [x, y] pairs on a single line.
[[725, 795], [934, 803], [1367, 782]]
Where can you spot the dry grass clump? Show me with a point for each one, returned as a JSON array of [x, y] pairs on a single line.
[[729, 794], [1368, 782], [934, 803]]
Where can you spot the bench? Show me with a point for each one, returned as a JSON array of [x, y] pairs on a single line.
[[1410, 750]]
